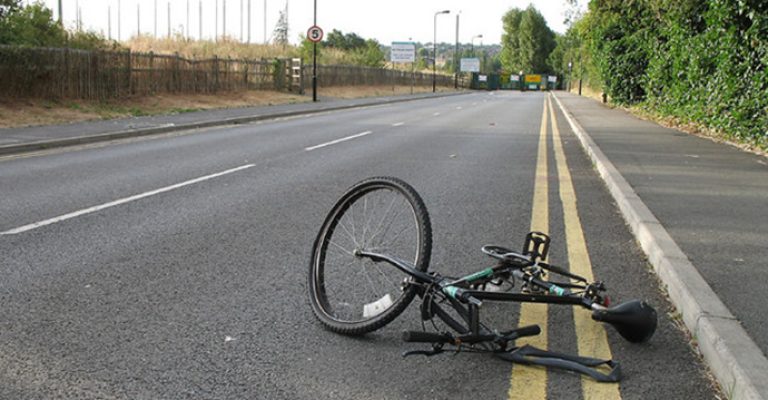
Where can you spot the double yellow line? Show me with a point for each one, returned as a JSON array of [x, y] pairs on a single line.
[[530, 383]]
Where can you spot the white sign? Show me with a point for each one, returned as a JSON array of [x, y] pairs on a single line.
[[514, 78], [315, 34], [482, 78], [552, 78], [403, 52], [470, 65]]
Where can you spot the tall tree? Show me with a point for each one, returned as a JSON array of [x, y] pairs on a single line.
[[527, 41], [8, 6]]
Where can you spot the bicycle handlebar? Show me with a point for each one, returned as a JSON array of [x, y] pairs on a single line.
[[435, 337], [426, 337], [530, 330]]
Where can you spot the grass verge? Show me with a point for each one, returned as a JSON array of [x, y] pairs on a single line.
[[34, 112]]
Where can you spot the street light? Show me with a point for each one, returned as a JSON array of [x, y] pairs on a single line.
[[456, 55], [473, 42], [434, 50]]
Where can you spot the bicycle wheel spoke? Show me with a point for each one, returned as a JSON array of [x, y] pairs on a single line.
[[384, 217], [341, 248], [351, 235], [393, 239]]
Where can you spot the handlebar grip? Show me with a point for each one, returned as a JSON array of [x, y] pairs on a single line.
[[426, 337], [530, 330]]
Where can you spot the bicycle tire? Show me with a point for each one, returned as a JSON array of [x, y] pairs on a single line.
[[354, 295]]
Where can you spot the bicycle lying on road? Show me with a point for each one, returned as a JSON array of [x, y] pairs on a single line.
[[371, 258]]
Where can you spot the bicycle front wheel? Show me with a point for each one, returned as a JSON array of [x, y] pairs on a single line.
[[354, 295]]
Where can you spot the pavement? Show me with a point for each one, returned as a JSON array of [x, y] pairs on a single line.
[[697, 208]]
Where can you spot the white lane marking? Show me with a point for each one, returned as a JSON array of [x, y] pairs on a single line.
[[459, 107], [398, 124], [93, 209], [436, 114], [332, 142]]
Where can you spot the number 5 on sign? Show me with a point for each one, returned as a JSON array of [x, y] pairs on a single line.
[[315, 34]]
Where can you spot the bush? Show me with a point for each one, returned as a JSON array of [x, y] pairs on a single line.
[[702, 61]]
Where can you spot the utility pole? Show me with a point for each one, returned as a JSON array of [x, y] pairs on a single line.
[[138, 19], [216, 27], [249, 21], [187, 26], [61, 14], [265, 21], [456, 56], [224, 19], [119, 23], [169, 20], [241, 21], [109, 21], [155, 19], [314, 57], [200, 21]]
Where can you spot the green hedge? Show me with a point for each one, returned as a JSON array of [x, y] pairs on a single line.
[[703, 61]]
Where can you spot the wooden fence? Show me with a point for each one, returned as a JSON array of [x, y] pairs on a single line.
[[342, 75], [101, 75]]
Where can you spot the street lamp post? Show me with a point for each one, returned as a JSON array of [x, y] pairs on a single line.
[[456, 56], [314, 60], [434, 50], [472, 47]]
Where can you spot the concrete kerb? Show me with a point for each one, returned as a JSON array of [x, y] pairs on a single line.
[[734, 358], [156, 130]]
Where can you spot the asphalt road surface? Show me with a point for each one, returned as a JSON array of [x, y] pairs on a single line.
[[174, 267]]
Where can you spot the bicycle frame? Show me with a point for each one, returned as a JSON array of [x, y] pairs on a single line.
[[457, 289]]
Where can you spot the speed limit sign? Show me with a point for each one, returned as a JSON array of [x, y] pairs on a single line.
[[315, 34]]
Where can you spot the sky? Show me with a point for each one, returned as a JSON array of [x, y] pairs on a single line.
[[385, 21]]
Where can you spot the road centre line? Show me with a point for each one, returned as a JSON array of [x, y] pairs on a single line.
[[591, 338], [528, 383], [332, 142], [398, 124], [100, 207]]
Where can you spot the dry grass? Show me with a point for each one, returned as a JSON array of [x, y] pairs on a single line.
[[18, 113], [202, 49], [32, 112]]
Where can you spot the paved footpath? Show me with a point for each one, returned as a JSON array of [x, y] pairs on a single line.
[[699, 210]]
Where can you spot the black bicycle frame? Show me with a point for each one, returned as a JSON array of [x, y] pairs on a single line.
[[473, 298]]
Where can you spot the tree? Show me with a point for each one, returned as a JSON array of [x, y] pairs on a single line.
[[32, 25], [527, 41], [8, 6], [351, 41], [370, 55], [510, 40], [620, 40]]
